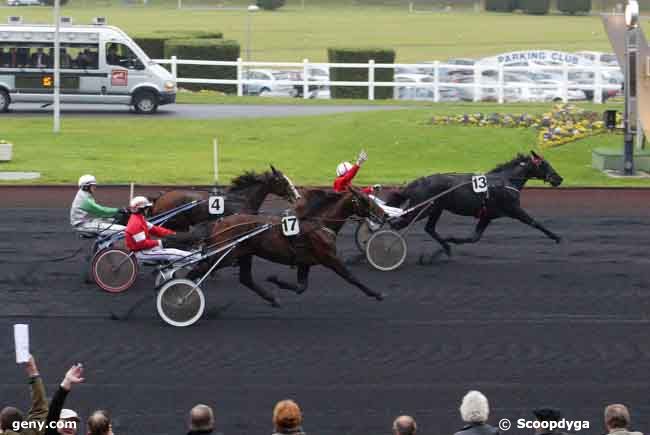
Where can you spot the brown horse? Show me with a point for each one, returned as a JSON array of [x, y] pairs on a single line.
[[245, 195], [321, 216]]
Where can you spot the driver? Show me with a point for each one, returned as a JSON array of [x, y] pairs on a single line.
[[345, 173], [139, 232], [88, 216]]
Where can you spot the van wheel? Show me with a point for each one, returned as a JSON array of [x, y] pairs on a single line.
[[145, 102], [4, 100]]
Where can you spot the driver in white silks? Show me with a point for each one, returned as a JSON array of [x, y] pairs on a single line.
[[89, 217], [345, 173], [138, 237]]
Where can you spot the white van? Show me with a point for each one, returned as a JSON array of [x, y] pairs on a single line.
[[99, 64]]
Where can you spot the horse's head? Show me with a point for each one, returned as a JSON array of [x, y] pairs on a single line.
[[542, 170], [282, 186], [365, 207]]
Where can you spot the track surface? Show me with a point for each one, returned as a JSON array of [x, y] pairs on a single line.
[[526, 321], [194, 111]]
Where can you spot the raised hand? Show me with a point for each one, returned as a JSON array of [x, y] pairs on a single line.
[[363, 156], [73, 376]]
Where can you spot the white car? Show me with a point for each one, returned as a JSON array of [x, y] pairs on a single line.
[[265, 83], [412, 92], [24, 2]]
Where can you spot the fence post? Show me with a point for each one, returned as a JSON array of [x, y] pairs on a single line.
[[371, 79], [436, 81], [565, 84], [305, 73], [477, 86], [598, 85], [174, 68], [240, 85], [501, 83]]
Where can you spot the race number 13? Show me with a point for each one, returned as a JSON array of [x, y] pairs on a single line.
[[479, 183], [290, 226], [216, 205]]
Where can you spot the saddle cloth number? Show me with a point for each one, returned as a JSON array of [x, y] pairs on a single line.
[[216, 205], [290, 226], [479, 183]]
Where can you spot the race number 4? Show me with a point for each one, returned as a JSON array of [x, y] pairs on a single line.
[[479, 183], [290, 226], [216, 205]]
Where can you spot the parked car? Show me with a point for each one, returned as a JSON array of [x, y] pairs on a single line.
[[414, 92], [605, 59], [264, 82], [24, 3]]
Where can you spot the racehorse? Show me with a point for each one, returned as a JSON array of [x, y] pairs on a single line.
[[321, 217], [245, 195], [505, 183]]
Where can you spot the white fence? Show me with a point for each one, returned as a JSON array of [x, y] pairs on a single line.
[[485, 81]]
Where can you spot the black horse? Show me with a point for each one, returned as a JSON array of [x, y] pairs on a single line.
[[505, 183]]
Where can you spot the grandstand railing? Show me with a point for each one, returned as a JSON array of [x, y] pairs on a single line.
[[479, 88]]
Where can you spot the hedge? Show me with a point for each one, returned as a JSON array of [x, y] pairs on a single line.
[[205, 49], [574, 6], [534, 7], [360, 55], [499, 5], [154, 44], [270, 5]]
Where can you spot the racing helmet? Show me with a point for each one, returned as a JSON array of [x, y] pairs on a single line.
[[87, 180], [140, 202], [342, 168]]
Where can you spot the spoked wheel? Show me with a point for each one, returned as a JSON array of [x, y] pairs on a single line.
[[114, 270], [386, 250], [363, 234], [180, 302]]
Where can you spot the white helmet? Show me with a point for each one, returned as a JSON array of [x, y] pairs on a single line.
[[87, 180], [342, 168], [140, 202]]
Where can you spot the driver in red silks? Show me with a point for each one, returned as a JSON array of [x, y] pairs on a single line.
[[346, 171]]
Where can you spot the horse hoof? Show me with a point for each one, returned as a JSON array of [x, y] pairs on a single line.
[[425, 260], [558, 240], [275, 304], [380, 296]]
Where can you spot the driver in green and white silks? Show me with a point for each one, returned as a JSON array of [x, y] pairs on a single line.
[[89, 217]]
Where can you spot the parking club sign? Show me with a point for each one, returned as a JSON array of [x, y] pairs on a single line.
[[537, 56], [119, 77]]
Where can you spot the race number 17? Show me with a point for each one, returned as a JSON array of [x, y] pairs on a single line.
[[479, 183], [290, 226]]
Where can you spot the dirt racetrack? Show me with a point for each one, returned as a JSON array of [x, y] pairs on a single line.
[[528, 322]]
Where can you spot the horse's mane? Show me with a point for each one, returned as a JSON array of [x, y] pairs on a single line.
[[248, 179], [316, 200], [514, 162]]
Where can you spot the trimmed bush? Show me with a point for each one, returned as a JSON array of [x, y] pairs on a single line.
[[154, 44], [534, 7], [360, 55], [574, 6], [270, 5], [499, 5], [205, 49]]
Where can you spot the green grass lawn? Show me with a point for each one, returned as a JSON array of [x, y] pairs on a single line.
[[402, 145], [294, 34]]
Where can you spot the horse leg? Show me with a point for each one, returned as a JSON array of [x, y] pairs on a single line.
[[303, 281], [246, 278], [521, 215], [333, 263], [430, 228], [478, 232]]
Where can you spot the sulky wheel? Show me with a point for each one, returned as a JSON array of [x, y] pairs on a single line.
[[386, 250], [180, 302], [114, 270], [363, 233]]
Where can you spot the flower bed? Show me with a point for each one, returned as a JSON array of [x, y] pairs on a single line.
[[563, 124]]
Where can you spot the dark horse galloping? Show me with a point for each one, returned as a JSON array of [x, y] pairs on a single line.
[[322, 215], [245, 195], [502, 198]]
